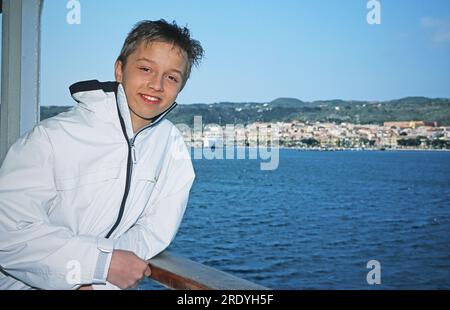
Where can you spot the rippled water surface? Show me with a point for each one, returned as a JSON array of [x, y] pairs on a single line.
[[316, 221]]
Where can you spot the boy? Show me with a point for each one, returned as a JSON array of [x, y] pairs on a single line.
[[87, 196]]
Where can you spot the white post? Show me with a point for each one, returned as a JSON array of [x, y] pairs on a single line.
[[19, 105]]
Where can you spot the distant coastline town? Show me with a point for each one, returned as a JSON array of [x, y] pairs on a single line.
[[410, 123], [404, 135]]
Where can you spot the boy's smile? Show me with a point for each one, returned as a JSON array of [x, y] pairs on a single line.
[[152, 77]]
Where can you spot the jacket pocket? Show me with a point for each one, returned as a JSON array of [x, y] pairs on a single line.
[[88, 201], [86, 178], [146, 179], [148, 176]]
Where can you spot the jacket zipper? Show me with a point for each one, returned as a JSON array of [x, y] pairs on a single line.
[[133, 153], [131, 160]]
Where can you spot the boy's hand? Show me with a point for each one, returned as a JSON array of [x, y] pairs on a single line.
[[85, 288], [126, 269]]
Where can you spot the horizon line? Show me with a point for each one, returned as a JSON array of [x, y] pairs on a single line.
[[289, 98]]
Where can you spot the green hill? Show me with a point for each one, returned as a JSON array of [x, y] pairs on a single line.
[[288, 109]]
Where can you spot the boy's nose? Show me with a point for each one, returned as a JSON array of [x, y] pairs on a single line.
[[156, 83]]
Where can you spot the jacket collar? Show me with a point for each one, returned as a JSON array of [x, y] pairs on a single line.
[[101, 97], [122, 105]]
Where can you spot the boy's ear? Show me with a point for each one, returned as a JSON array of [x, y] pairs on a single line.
[[118, 71]]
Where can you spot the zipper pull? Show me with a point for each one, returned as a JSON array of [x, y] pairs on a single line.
[[133, 153]]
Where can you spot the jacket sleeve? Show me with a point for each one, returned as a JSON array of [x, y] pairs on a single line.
[[159, 223], [33, 250]]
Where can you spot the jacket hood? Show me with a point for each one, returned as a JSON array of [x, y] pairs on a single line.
[[77, 89]]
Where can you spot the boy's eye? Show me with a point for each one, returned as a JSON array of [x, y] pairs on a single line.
[[173, 78], [145, 69]]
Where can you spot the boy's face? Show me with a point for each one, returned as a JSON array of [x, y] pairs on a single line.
[[152, 78]]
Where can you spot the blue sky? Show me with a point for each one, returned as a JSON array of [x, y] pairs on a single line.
[[259, 50]]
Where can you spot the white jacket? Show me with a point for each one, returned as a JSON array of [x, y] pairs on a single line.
[[74, 179]]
